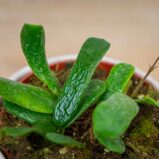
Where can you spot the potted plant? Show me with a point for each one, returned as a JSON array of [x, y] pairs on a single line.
[[79, 108]]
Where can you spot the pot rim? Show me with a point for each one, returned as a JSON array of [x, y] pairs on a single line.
[[1, 156], [25, 70]]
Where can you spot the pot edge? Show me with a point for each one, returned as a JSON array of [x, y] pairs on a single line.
[[16, 76]]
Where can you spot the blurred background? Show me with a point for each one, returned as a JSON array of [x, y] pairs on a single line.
[[131, 26]]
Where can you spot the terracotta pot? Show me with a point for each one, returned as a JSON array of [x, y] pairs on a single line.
[[25, 73]]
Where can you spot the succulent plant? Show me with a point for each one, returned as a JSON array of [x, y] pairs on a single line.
[[50, 112]]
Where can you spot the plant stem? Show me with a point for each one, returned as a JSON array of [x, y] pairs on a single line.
[[138, 87]]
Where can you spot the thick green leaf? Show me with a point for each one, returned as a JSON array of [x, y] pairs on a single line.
[[118, 79], [25, 114], [63, 140], [148, 101], [90, 96], [113, 144], [116, 113], [68, 103], [30, 97], [44, 127], [39, 128], [112, 117], [42, 122], [96, 88], [33, 45], [15, 132]]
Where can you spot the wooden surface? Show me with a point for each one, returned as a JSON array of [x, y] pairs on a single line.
[[131, 26]]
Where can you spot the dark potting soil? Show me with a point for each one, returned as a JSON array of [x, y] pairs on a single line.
[[141, 139]]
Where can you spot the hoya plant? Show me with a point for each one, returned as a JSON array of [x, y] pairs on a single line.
[[50, 111]]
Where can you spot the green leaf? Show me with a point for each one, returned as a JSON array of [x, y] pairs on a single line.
[[15, 132], [118, 79], [44, 127], [112, 117], [33, 45], [113, 144], [42, 130], [25, 114], [30, 97], [148, 101], [42, 122], [90, 96], [63, 140], [39, 127], [68, 103]]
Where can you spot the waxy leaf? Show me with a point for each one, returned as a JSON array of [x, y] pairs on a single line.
[[148, 101], [112, 117], [30, 97], [38, 128], [90, 96], [118, 79], [43, 127], [15, 132], [42, 130], [25, 114], [33, 45], [113, 144], [63, 140], [96, 88], [68, 103]]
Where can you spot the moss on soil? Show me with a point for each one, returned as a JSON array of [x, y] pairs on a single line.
[[141, 139]]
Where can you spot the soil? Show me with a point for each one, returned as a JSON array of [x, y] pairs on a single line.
[[141, 139]]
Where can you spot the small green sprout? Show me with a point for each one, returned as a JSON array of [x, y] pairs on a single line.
[[49, 112]]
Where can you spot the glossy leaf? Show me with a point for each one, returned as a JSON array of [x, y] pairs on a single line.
[[118, 79], [15, 132], [148, 101], [63, 140], [25, 114], [90, 96], [44, 127], [33, 45], [112, 117], [40, 127], [113, 144], [30, 97], [68, 103]]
